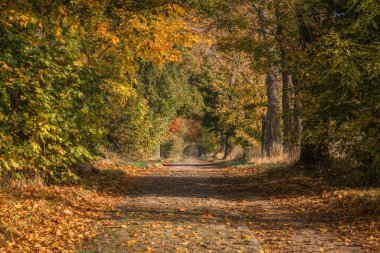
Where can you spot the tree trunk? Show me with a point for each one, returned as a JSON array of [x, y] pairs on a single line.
[[286, 110], [310, 153], [297, 128], [263, 136], [158, 152], [227, 145], [273, 126], [273, 119], [291, 117]]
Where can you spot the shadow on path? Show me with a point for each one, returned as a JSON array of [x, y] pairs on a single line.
[[178, 209], [192, 208]]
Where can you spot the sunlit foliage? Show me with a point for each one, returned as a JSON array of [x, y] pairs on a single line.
[[70, 79]]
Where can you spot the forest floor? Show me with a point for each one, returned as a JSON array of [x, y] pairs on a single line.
[[192, 208]]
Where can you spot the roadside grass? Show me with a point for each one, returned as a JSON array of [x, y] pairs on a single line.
[[242, 164], [142, 164], [230, 163]]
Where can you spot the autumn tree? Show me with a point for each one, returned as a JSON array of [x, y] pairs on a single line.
[[233, 94], [70, 84]]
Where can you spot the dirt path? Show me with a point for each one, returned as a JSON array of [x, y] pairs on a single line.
[[195, 207]]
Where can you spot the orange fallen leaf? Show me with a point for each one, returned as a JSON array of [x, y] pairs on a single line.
[[66, 211]]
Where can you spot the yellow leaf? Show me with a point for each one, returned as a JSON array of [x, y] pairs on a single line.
[[10, 244], [130, 243]]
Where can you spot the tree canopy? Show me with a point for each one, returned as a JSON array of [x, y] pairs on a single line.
[[81, 77]]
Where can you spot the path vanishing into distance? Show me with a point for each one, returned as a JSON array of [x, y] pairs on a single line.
[[193, 206]]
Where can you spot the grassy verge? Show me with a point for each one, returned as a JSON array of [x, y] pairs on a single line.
[[230, 163], [143, 164]]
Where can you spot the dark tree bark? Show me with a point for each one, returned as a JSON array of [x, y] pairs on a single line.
[[273, 126], [15, 98], [272, 81], [286, 110], [297, 128], [310, 153], [291, 117], [228, 147], [263, 136]]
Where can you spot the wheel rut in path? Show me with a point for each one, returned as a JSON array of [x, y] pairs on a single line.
[[178, 209]]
